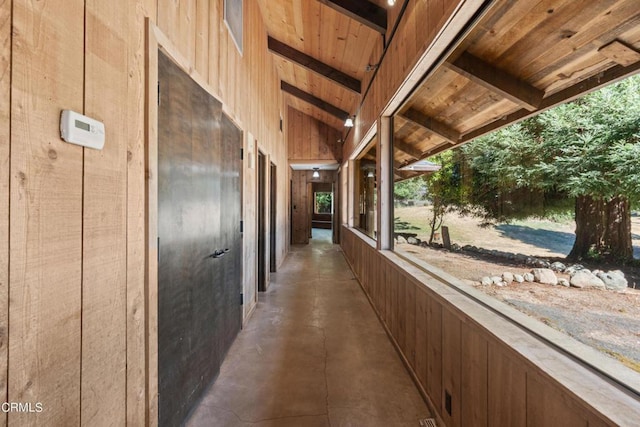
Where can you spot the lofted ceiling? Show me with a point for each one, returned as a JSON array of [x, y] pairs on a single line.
[[322, 31], [519, 59], [516, 59]]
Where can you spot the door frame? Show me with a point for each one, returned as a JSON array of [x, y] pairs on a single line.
[[273, 208], [261, 217], [143, 354]]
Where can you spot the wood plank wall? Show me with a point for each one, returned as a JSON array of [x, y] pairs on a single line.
[[311, 139], [74, 335], [5, 115], [416, 31], [500, 376], [301, 181], [45, 270]]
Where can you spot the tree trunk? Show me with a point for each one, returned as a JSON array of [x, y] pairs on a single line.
[[436, 219], [590, 226], [617, 234]]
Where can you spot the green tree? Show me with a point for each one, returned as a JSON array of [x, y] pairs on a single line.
[[323, 202], [444, 189], [410, 189], [586, 151], [595, 142]]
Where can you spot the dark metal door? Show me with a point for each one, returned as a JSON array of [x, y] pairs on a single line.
[[199, 310]]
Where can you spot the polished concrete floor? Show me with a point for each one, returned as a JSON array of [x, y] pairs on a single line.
[[312, 354]]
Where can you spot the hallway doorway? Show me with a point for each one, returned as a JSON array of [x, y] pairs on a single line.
[[322, 209], [273, 200], [262, 226]]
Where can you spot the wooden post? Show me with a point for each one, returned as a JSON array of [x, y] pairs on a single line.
[[384, 171], [446, 242]]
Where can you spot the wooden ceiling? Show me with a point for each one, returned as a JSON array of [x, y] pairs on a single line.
[[518, 59], [321, 30], [522, 57]]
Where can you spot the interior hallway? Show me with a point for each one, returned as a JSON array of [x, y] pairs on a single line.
[[313, 354]]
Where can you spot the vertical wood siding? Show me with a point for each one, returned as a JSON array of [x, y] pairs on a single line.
[[74, 335], [492, 370]]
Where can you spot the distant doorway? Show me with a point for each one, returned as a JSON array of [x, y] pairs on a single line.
[[322, 207], [273, 195], [262, 226]]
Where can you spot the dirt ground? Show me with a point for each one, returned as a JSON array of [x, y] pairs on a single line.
[[606, 320]]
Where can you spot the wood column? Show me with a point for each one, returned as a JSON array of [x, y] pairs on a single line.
[[384, 173]]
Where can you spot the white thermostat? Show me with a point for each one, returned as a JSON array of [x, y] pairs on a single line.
[[81, 130]]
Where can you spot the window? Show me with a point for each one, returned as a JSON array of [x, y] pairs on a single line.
[[515, 214], [322, 202], [365, 190]]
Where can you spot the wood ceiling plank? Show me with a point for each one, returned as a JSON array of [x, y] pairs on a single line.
[[505, 28], [620, 53], [365, 12], [432, 125], [497, 80], [313, 100], [432, 97], [606, 27], [582, 88], [310, 63], [580, 69]]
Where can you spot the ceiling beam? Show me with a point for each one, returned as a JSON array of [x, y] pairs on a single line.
[[582, 88], [403, 175], [406, 148], [363, 11], [620, 53], [313, 100], [289, 53], [432, 125], [497, 80]]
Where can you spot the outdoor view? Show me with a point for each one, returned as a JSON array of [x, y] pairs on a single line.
[[543, 215]]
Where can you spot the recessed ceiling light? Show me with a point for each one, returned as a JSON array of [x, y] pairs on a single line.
[[391, 2]]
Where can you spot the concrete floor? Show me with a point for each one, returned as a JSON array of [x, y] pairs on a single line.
[[313, 354]]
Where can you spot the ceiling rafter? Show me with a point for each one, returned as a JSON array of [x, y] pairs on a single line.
[[363, 11], [582, 88], [313, 100], [291, 54], [620, 53], [497, 80], [406, 148], [432, 125], [403, 175]]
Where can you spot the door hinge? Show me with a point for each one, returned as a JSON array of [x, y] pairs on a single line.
[[158, 93], [242, 154], [241, 299], [241, 226]]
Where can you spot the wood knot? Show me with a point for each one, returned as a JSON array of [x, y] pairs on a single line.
[[129, 156], [22, 177], [52, 154]]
